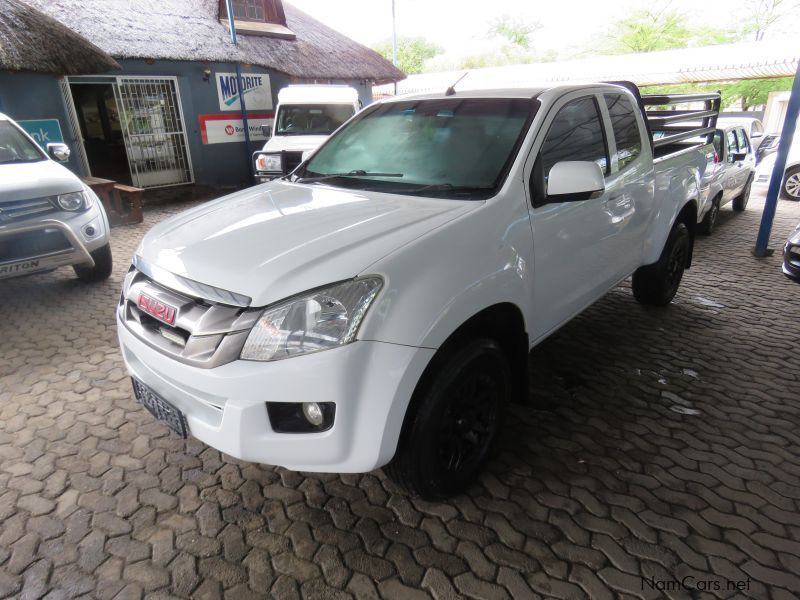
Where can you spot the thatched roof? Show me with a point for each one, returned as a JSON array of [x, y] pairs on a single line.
[[191, 30], [32, 41]]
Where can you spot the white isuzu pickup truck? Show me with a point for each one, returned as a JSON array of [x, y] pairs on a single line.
[[378, 305], [305, 117]]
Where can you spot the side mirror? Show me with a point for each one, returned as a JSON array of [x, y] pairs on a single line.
[[58, 152], [572, 181], [738, 156], [267, 131]]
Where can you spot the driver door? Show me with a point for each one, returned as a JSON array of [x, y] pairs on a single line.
[[573, 242]]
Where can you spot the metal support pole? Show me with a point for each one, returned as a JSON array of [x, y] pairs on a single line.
[[775, 182], [394, 43], [240, 89]]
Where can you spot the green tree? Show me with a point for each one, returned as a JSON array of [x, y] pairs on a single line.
[[648, 30], [516, 32], [412, 52], [743, 95]]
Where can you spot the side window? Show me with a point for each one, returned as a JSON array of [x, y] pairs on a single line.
[[742, 139], [718, 143], [732, 147], [576, 133], [626, 129]]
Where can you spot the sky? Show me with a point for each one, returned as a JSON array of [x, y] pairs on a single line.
[[460, 26]]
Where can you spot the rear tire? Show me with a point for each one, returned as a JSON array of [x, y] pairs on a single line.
[[790, 187], [708, 223], [457, 412], [740, 202], [657, 284], [101, 269]]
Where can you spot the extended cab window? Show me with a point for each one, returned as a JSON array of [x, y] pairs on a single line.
[[626, 129], [15, 147]]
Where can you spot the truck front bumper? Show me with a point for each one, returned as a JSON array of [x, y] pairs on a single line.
[[43, 244], [371, 384]]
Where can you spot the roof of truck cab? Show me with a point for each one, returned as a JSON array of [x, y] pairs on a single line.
[[295, 94], [519, 92]]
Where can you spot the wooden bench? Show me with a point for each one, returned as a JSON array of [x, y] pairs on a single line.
[[123, 203], [128, 203]]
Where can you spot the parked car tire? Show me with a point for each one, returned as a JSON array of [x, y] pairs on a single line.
[[101, 269], [708, 223], [790, 188], [457, 412], [740, 202], [658, 283]]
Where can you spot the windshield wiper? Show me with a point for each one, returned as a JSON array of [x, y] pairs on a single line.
[[442, 187], [353, 173]]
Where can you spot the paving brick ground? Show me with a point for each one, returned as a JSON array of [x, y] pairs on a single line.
[[663, 446]]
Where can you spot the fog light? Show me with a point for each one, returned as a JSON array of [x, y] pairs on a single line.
[[301, 417], [89, 231], [313, 413]]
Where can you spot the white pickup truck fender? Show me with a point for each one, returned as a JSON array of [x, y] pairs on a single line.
[[431, 272]]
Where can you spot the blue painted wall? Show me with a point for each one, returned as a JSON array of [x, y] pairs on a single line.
[[26, 96], [31, 96]]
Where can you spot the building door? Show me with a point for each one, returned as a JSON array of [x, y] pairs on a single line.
[[153, 130]]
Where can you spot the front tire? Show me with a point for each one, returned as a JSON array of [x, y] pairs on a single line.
[[657, 284], [790, 188], [101, 269], [458, 409], [740, 202]]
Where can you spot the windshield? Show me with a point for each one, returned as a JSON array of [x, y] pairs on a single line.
[[312, 119], [15, 147], [444, 147]]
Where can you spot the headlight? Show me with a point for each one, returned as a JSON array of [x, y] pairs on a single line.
[[74, 201], [269, 163], [319, 320]]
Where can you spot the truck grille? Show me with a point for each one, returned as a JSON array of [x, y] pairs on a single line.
[[291, 160], [204, 334], [33, 244], [21, 209]]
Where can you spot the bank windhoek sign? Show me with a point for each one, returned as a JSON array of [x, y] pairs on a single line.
[[257, 91]]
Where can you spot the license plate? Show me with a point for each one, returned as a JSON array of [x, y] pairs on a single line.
[[160, 408], [155, 308]]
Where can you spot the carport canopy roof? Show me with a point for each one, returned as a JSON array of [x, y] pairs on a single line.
[[728, 62]]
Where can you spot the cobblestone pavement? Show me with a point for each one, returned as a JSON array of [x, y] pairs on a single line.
[[663, 443]]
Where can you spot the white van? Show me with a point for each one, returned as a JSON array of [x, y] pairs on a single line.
[[306, 116]]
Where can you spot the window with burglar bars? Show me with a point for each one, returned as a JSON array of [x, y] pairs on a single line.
[[155, 137]]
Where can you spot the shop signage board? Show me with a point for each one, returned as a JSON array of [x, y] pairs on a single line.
[[224, 129], [43, 131], [257, 91]]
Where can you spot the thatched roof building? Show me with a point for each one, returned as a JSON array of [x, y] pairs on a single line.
[[31, 41], [190, 30]]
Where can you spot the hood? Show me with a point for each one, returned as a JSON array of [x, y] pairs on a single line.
[[294, 143], [278, 239], [23, 181]]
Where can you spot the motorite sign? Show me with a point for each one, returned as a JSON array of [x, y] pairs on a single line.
[[223, 129], [257, 91]]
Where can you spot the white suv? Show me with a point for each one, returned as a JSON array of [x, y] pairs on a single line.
[[48, 217]]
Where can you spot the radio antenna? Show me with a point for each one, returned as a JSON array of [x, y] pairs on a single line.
[[452, 89]]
